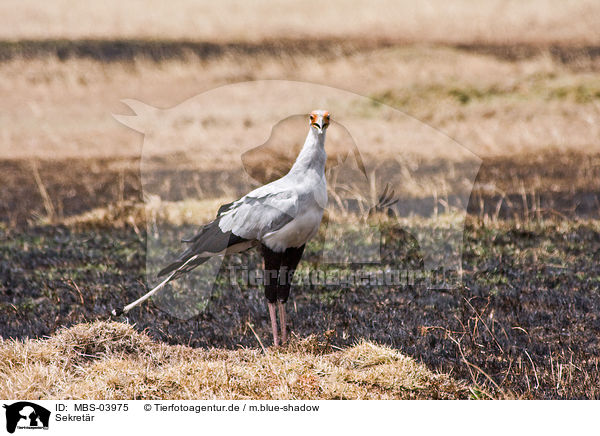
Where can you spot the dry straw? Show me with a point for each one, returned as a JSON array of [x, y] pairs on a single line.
[[105, 360]]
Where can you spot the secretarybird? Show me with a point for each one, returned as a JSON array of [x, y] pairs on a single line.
[[279, 217]]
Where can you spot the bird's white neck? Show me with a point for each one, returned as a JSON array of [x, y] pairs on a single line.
[[312, 156]]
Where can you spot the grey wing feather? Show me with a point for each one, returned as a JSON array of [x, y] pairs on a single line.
[[250, 218], [259, 213]]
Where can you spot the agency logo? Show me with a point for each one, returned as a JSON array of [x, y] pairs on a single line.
[[26, 415], [397, 189]]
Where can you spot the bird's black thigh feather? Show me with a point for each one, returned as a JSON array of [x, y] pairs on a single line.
[[271, 272], [279, 272], [291, 258]]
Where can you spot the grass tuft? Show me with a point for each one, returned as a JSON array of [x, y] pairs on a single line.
[[109, 360]]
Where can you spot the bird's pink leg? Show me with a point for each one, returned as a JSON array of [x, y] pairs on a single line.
[[282, 322], [273, 316]]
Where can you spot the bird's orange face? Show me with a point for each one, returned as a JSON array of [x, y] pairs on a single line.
[[319, 119]]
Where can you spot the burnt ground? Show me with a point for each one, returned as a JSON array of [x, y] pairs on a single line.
[[579, 57], [569, 186], [525, 320], [527, 313]]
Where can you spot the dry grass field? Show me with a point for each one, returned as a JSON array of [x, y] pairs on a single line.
[[114, 361], [535, 21], [515, 84]]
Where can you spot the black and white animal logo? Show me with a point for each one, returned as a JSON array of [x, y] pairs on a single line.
[[26, 415]]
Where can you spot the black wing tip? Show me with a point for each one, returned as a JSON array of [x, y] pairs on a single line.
[[166, 270], [117, 312], [224, 208]]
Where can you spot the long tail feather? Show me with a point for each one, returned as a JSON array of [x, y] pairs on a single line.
[[154, 290], [209, 241], [209, 238]]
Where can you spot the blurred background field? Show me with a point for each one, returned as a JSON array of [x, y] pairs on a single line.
[[516, 83], [536, 21]]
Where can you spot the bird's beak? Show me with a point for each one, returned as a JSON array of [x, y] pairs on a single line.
[[320, 125]]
